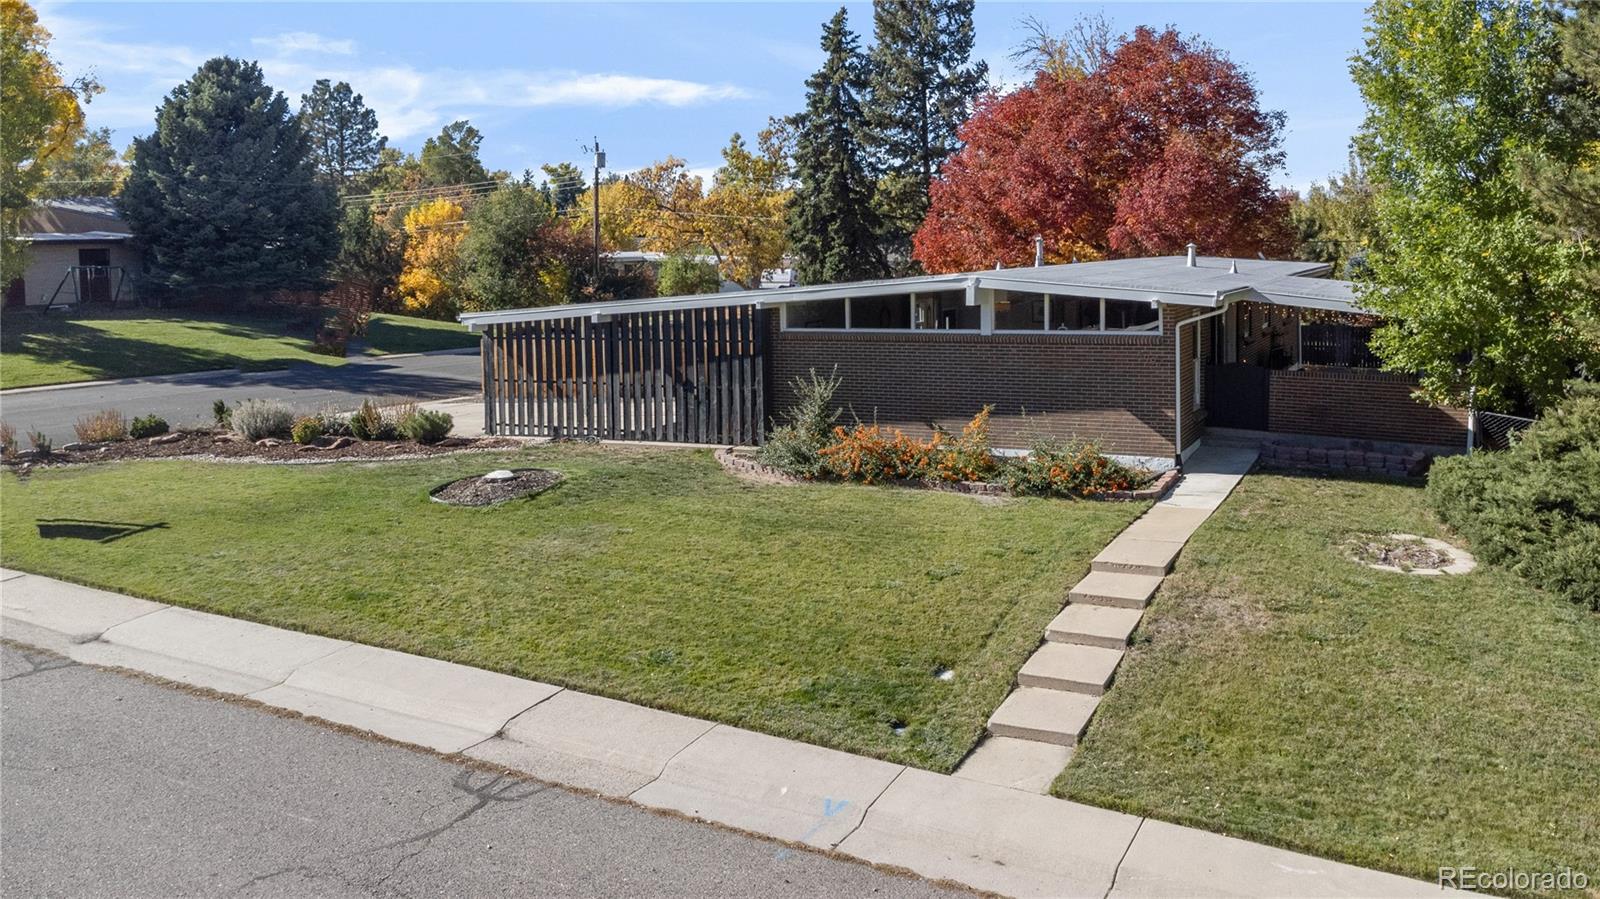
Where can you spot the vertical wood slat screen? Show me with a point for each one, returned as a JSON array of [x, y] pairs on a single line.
[[679, 376]]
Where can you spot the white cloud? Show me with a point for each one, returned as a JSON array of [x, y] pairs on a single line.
[[410, 101], [291, 42]]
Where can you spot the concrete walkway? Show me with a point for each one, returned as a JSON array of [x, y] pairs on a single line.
[[1034, 732], [990, 837]]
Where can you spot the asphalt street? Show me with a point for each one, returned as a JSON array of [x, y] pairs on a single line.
[[187, 399], [115, 786]]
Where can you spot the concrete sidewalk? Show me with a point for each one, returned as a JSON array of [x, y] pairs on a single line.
[[986, 836]]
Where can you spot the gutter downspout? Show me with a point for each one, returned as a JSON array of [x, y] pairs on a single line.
[[1177, 381]]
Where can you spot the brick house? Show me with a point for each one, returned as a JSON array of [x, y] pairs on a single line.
[[1145, 357]]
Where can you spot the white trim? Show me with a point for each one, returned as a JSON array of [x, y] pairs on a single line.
[[1177, 375]]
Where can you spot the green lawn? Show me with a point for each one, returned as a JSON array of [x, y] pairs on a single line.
[[56, 349], [1282, 693], [819, 612]]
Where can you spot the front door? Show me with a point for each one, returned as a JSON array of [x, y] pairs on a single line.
[[94, 275], [1239, 396]]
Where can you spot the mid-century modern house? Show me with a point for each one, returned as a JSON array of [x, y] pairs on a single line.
[[79, 250], [1142, 356]]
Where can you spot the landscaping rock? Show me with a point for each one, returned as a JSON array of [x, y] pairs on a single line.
[[341, 442], [455, 441], [80, 447], [269, 442], [162, 439]]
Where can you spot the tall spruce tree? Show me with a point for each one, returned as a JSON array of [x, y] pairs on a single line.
[[832, 223], [921, 87], [343, 132], [223, 196]]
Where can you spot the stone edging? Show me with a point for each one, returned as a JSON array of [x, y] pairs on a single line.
[[1279, 454], [737, 463]]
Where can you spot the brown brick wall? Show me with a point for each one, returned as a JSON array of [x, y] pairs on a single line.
[[1359, 403], [1115, 390]]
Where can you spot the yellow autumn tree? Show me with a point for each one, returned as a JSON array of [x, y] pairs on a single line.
[[740, 223], [41, 119], [432, 283]]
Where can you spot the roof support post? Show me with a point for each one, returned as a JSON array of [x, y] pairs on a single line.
[[1177, 379]]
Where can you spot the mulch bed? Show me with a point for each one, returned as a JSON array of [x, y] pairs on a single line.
[[224, 447], [480, 491]]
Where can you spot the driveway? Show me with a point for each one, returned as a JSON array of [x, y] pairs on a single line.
[[187, 399], [114, 786]]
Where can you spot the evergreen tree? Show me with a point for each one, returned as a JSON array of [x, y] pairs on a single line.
[[343, 132], [452, 157], [1564, 178], [223, 196], [921, 88], [832, 223], [566, 184]]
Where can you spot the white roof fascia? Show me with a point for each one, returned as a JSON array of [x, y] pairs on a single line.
[[758, 298], [1279, 298], [1063, 288]]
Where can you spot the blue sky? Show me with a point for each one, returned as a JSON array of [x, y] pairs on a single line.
[[650, 80]]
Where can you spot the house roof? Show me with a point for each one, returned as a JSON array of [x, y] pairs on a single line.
[[74, 219], [1210, 282]]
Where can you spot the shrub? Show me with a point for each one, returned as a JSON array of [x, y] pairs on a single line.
[[869, 454], [256, 419], [968, 457], [1071, 468], [306, 429], [41, 443], [334, 423], [426, 425], [147, 426], [1534, 508], [221, 414], [105, 426], [795, 446], [368, 423], [8, 440]]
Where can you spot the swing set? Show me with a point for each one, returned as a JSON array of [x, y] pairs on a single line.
[[90, 283]]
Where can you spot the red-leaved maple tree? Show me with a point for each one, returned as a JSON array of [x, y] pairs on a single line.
[[1160, 144]]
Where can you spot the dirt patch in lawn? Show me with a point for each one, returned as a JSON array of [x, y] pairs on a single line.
[[496, 487], [1410, 554], [217, 446]]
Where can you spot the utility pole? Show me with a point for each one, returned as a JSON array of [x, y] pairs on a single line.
[[599, 163]]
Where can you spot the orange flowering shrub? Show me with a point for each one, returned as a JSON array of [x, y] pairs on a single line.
[[968, 457], [870, 454], [1068, 469]]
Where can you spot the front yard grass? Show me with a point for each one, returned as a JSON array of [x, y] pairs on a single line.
[[38, 349], [819, 612], [1282, 693]]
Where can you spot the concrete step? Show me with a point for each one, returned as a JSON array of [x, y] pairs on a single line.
[[1112, 588], [1070, 667], [1137, 555], [1091, 625], [1047, 716], [1169, 523]]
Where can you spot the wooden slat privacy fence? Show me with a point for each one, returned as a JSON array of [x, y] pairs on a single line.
[[682, 376]]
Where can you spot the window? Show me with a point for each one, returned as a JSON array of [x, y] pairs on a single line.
[[1074, 314], [815, 314], [881, 312], [1131, 315], [1016, 311], [946, 311]]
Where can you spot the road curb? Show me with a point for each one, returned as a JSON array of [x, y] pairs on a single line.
[[989, 837], [174, 377]]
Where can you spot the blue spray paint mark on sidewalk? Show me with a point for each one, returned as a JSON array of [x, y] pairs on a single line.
[[829, 810]]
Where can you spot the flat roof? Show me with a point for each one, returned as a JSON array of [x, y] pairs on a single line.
[[1211, 282], [75, 236]]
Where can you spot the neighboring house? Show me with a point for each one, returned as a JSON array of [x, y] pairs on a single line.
[[626, 261], [83, 236], [1142, 356]]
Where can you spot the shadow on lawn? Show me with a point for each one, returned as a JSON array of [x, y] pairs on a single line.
[[90, 529], [98, 353]]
